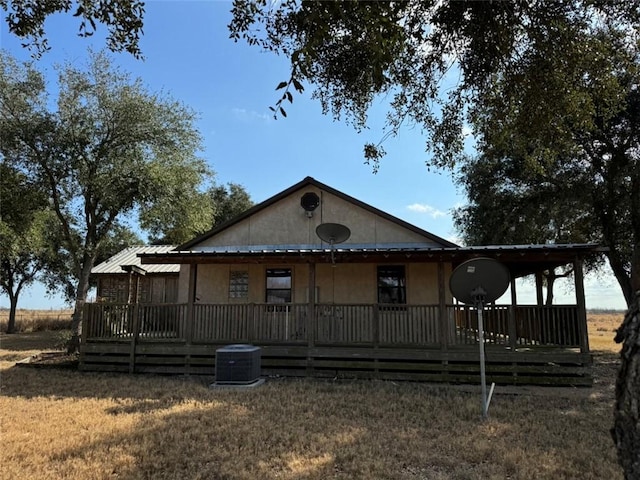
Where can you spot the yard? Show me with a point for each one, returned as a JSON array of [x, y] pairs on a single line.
[[59, 423]]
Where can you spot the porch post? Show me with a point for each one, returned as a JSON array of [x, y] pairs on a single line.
[[512, 315], [311, 313], [193, 275], [311, 316], [578, 276], [442, 306], [130, 287], [135, 321]]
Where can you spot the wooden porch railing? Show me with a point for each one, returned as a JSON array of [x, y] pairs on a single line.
[[388, 325]]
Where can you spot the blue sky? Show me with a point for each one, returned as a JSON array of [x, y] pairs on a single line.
[[189, 56]]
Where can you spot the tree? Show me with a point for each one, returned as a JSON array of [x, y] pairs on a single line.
[[179, 218], [110, 148], [61, 274], [509, 203], [25, 247], [626, 427], [123, 19], [229, 201]]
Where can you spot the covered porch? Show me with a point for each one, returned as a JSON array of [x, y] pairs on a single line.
[[436, 341]]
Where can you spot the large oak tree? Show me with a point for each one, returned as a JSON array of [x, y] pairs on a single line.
[[104, 149]]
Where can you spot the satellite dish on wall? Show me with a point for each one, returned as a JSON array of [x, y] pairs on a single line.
[[333, 233], [477, 282]]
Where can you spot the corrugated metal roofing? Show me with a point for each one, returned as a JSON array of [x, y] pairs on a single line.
[[386, 247], [129, 256], [235, 250]]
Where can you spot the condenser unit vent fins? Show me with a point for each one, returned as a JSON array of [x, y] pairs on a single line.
[[237, 365]]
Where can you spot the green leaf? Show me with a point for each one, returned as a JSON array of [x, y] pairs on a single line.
[[297, 85], [281, 85]]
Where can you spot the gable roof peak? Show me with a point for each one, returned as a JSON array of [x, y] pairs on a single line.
[[308, 180]]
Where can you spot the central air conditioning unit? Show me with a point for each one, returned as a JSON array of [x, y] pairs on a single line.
[[238, 365]]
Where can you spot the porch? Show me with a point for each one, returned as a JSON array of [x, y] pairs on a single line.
[[528, 344]]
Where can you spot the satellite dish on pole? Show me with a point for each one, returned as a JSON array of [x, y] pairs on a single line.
[[333, 233], [477, 282], [479, 279]]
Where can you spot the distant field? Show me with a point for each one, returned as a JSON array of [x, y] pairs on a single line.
[[602, 330], [37, 320]]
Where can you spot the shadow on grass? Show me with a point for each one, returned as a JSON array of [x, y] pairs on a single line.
[[167, 427], [305, 429], [44, 340]]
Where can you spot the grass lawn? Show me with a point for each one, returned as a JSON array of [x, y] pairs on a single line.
[[65, 424]]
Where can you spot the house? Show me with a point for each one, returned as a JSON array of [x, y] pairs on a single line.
[[122, 278], [328, 285]]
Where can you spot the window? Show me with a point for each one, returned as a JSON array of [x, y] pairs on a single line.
[[391, 284], [239, 284], [278, 285]]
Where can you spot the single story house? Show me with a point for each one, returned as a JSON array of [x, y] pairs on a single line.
[[328, 285]]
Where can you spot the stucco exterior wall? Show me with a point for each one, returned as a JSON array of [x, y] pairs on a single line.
[[286, 223], [343, 284]]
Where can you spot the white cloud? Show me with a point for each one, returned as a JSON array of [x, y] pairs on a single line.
[[245, 115], [427, 209]]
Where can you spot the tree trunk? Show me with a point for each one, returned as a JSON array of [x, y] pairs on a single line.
[[11, 324], [551, 279], [622, 276], [81, 297], [626, 429]]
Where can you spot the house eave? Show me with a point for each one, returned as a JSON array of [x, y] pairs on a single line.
[[521, 259]]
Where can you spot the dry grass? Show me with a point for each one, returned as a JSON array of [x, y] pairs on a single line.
[[602, 330], [63, 424], [37, 320]]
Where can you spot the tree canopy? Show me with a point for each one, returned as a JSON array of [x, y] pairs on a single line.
[[109, 148], [508, 204], [433, 60], [178, 218], [123, 19], [26, 223]]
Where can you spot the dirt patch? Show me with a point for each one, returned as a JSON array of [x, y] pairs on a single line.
[[49, 360]]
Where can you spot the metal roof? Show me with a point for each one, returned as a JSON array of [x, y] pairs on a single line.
[[129, 256], [365, 248], [521, 259]]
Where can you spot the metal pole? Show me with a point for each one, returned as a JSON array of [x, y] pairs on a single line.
[[485, 406]]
